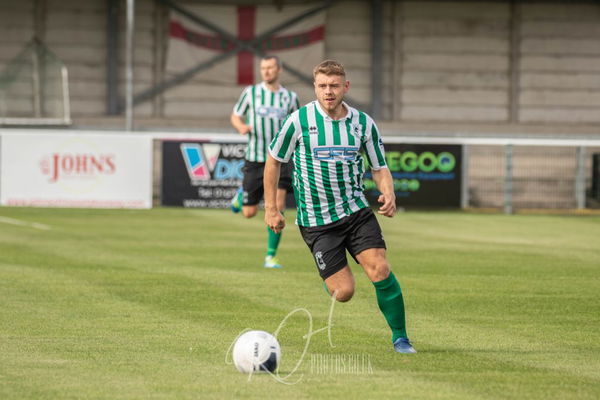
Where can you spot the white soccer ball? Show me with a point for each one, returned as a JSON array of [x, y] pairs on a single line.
[[256, 351]]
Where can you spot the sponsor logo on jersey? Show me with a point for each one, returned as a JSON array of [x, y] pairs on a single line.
[[335, 153]]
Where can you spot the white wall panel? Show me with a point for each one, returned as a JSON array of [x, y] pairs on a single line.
[[74, 170]]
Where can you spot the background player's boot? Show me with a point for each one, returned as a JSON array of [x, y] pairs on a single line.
[[402, 345], [236, 202], [272, 262]]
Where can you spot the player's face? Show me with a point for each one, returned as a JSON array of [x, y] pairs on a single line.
[[269, 70], [330, 91]]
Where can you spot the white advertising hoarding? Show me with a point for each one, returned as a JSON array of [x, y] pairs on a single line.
[[76, 170]]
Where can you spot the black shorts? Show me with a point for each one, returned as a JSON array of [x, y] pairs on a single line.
[[328, 243], [253, 181]]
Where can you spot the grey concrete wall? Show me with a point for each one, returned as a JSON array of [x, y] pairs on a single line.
[[454, 63], [560, 63], [443, 61], [76, 32], [16, 29]]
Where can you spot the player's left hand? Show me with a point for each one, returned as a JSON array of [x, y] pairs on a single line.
[[388, 208]]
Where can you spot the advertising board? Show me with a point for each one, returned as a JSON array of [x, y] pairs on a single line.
[[76, 170]]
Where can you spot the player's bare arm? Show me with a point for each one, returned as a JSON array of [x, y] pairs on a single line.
[[239, 124], [385, 183], [273, 218]]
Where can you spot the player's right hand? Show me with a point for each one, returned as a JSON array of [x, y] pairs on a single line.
[[246, 130], [275, 221]]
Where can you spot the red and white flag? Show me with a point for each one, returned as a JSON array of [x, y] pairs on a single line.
[[301, 45]]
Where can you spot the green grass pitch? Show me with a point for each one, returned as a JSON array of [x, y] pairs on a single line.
[[128, 304]]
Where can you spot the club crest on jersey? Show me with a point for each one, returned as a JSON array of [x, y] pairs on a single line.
[[320, 262]]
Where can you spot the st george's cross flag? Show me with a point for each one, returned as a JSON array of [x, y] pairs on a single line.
[[301, 45]]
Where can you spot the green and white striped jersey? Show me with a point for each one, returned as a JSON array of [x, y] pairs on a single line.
[[328, 164], [265, 111]]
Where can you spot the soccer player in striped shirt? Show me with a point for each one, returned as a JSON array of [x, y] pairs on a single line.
[[259, 113], [325, 139]]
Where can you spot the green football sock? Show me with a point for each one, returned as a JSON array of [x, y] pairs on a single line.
[[391, 304], [272, 242]]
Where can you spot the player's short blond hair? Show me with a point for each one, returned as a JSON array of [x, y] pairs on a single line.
[[329, 67]]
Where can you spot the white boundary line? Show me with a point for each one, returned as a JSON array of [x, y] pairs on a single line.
[[18, 222]]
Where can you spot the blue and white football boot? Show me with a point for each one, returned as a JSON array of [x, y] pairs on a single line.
[[236, 202], [272, 262], [403, 345]]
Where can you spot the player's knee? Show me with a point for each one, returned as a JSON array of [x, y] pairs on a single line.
[[249, 212], [378, 270], [343, 294]]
